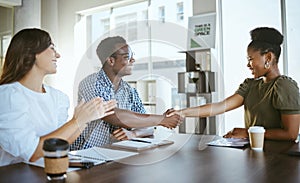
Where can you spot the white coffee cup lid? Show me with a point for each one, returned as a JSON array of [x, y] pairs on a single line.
[[256, 129]]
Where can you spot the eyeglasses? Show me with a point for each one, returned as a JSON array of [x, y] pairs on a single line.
[[128, 56]]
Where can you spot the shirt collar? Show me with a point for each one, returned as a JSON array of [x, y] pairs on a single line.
[[105, 81]]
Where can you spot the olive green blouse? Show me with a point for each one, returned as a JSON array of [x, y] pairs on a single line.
[[265, 102]]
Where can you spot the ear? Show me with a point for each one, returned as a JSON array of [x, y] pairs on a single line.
[[110, 61], [269, 56]]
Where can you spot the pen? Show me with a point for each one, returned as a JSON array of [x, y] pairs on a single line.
[[138, 140]]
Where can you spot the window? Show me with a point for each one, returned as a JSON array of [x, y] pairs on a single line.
[[6, 31], [5, 40], [235, 40], [156, 50], [106, 24], [145, 15], [161, 14], [126, 25], [180, 13], [293, 39]]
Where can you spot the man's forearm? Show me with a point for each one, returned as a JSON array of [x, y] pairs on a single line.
[[128, 119]]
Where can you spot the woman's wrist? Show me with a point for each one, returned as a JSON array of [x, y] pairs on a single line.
[[77, 123], [182, 112]]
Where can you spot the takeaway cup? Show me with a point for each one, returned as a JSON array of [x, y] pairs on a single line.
[[56, 158], [256, 137]]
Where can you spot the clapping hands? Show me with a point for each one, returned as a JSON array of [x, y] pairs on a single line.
[[94, 109]]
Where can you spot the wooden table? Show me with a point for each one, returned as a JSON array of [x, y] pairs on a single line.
[[188, 160]]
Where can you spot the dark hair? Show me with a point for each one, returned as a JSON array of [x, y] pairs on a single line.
[[266, 39], [20, 56], [107, 47]]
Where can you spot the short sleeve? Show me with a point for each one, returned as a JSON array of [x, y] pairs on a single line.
[[244, 88], [17, 135], [286, 96], [61, 104]]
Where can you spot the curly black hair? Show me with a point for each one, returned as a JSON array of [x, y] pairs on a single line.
[[266, 39]]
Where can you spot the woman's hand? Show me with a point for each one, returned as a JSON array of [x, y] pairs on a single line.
[[237, 133], [107, 108], [172, 111], [94, 109]]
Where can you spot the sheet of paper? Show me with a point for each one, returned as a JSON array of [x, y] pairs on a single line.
[[99, 153], [40, 163]]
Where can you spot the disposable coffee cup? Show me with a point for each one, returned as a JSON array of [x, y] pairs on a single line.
[[256, 137], [56, 158]]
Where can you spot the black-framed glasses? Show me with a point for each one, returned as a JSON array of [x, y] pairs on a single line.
[[128, 56]]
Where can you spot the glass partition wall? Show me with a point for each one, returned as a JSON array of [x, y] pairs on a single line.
[[236, 26], [162, 57], [248, 14]]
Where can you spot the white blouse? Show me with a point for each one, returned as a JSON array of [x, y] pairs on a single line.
[[25, 116]]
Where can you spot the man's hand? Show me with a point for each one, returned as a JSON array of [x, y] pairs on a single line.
[[123, 134], [171, 121]]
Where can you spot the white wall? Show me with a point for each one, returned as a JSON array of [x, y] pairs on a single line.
[[28, 15]]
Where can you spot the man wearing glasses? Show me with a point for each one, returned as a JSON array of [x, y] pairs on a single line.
[[129, 119]]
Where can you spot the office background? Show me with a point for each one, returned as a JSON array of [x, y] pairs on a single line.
[[73, 27]]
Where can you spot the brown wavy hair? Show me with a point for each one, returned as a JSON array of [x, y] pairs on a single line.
[[21, 52]]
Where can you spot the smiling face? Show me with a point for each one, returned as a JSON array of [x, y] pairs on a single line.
[[46, 60], [123, 61], [256, 63]]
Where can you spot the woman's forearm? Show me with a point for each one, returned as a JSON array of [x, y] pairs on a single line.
[[280, 134], [69, 132], [204, 110]]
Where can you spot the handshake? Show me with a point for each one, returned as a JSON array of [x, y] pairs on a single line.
[[172, 119]]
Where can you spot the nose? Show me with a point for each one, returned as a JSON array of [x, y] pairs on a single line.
[[248, 64], [57, 55], [132, 60]]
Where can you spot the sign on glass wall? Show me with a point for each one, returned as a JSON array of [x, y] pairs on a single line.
[[202, 31]]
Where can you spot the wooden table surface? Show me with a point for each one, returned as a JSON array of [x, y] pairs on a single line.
[[189, 159]]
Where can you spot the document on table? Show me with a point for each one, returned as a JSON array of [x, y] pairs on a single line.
[[229, 142], [141, 143], [97, 155], [40, 163], [101, 154]]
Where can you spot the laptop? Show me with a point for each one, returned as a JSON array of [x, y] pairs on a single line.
[[295, 149]]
